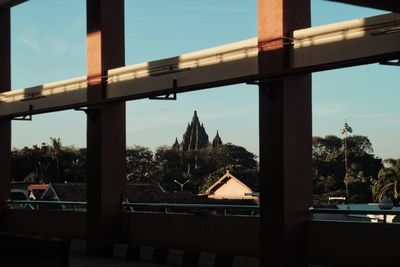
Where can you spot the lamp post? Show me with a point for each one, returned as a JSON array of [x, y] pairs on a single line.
[[346, 130], [181, 184]]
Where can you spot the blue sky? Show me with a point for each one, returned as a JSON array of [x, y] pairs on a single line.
[[48, 44]]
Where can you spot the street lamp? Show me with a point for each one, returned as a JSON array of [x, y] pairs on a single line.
[[181, 184], [346, 130]]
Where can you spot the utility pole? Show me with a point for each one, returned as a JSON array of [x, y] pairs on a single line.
[[346, 130]]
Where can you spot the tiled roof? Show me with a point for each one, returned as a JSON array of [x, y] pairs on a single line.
[[153, 192], [70, 192], [134, 192], [20, 185]]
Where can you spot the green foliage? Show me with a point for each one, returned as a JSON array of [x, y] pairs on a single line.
[[329, 170], [49, 163], [73, 165], [368, 178], [198, 166], [322, 199], [388, 182], [194, 160], [140, 165], [54, 152], [32, 178], [211, 178]]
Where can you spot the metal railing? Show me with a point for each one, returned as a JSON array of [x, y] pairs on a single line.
[[368, 213], [203, 209], [36, 204], [182, 208], [193, 208]]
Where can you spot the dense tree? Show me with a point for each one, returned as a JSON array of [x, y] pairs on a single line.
[[73, 165], [45, 163], [195, 165], [54, 152], [30, 163], [329, 169], [140, 165], [388, 182], [202, 167], [169, 166]]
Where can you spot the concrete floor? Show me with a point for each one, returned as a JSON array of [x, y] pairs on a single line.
[[80, 260]]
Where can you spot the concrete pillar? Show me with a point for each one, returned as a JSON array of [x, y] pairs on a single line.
[[285, 137], [106, 130], [5, 124]]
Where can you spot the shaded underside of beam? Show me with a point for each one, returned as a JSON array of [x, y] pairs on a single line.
[[10, 3], [388, 5]]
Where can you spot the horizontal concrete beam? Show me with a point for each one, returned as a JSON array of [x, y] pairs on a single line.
[[388, 5], [10, 3], [331, 46], [353, 42]]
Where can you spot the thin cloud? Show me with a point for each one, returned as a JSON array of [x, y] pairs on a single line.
[[63, 47], [231, 113], [328, 110], [67, 44], [212, 9], [378, 115], [156, 123], [53, 46], [180, 120], [30, 39]]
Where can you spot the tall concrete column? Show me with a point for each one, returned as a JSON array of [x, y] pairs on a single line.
[[285, 126], [5, 124], [106, 130]]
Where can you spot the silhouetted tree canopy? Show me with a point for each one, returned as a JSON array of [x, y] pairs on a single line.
[[329, 169], [196, 165], [388, 182], [140, 165], [49, 163], [369, 179]]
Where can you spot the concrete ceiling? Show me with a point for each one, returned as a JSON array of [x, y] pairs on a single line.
[[388, 5], [10, 3]]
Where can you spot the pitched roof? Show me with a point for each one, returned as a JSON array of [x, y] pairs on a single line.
[[153, 192], [134, 192], [223, 180], [67, 192]]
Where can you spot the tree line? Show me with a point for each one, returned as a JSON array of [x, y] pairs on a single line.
[[55, 163], [369, 178]]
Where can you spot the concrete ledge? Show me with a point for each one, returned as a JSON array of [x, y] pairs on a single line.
[[170, 256]]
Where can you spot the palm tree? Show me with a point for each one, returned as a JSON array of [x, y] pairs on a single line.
[[388, 182], [55, 151]]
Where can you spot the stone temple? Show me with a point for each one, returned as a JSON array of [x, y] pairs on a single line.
[[196, 137]]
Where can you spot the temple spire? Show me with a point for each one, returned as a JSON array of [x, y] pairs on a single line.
[[175, 146], [217, 142], [195, 137]]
